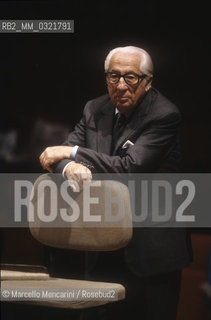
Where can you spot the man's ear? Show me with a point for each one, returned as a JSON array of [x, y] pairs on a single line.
[[148, 84]]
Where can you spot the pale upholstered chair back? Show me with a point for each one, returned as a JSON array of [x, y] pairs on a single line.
[[107, 201]]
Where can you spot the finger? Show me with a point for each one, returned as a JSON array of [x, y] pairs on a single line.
[[42, 162], [74, 185], [86, 184], [41, 155], [43, 159], [46, 164], [86, 176], [49, 169]]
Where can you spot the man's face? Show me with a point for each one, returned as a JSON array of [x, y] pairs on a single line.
[[125, 97]]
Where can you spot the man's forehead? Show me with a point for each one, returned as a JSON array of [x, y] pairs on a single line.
[[126, 59]]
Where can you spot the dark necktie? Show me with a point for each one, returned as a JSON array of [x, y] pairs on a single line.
[[118, 128]]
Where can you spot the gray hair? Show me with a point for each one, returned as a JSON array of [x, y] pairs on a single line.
[[146, 65]]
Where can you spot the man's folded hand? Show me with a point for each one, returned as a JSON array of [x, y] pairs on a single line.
[[78, 176], [52, 155]]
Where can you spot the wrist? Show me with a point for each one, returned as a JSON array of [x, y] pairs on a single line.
[[67, 152]]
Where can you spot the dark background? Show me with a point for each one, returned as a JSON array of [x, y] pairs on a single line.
[[45, 79]]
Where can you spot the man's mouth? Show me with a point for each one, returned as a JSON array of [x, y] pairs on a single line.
[[122, 99]]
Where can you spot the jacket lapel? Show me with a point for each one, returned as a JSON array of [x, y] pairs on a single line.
[[134, 123], [104, 124]]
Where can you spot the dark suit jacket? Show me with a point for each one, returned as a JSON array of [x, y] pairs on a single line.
[[153, 128]]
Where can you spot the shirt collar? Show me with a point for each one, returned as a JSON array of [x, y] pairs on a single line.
[[126, 115]]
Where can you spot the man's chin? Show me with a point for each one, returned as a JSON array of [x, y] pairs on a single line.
[[123, 103]]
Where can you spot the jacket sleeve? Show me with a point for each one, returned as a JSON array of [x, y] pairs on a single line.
[[76, 137], [146, 155]]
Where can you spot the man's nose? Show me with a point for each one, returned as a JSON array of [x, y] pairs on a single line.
[[122, 85]]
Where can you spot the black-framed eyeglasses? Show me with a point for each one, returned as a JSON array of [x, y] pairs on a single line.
[[131, 78]]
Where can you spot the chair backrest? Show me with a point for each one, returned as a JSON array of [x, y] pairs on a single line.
[[107, 201]]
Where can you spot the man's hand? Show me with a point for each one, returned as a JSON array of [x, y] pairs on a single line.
[[53, 154], [78, 175]]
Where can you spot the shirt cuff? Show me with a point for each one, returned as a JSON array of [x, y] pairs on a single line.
[[63, 171], [73, 153], [72, 157]]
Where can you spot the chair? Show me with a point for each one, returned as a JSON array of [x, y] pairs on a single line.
[[96, 202]]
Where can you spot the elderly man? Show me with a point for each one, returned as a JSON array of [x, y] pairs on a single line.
[[151, 264]]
